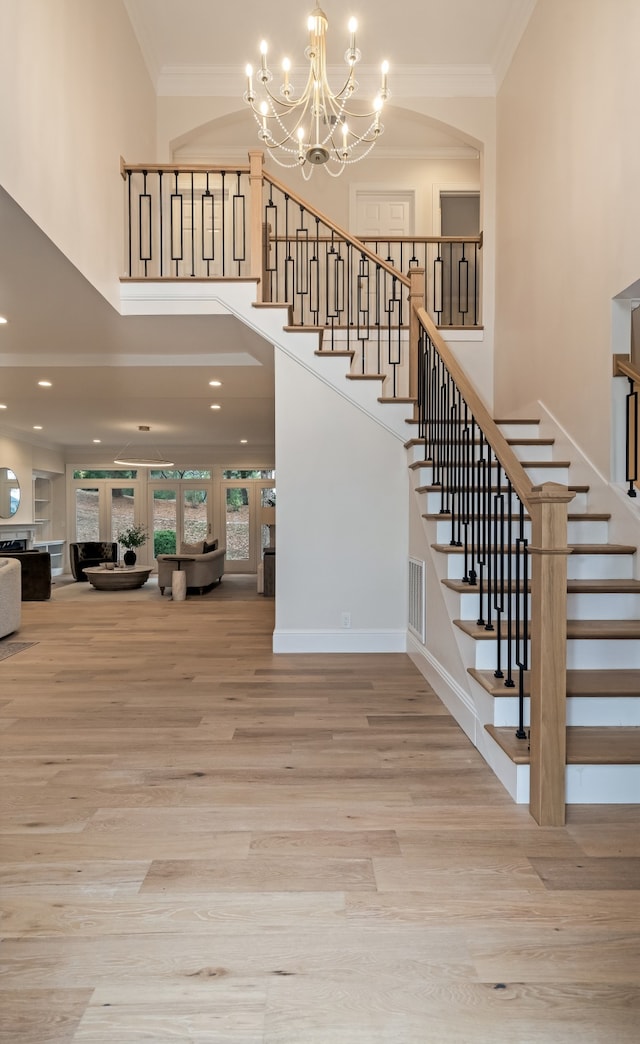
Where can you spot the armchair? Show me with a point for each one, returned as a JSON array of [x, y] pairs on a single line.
[[90, 553]]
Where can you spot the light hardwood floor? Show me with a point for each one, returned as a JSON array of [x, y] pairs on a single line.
[[202, 842]]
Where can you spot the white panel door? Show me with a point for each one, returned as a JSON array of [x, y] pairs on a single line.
[[380, 214]]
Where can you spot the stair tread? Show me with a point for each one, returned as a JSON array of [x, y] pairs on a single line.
[[545, 463], [398, 398], [516, 420], [606, 745], [465, 489], [580, 549], [573, 586], [342, 353], [580, 516], [579, 683], [586, 629], [476, 442]]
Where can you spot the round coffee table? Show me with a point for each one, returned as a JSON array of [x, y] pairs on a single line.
[[117, 579]]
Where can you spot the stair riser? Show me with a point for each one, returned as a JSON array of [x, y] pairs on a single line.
[[579, 567], [592, 711], [416, 453], [582, 654], [578, 532], [599, 567], [520, 431], [431, 502], [537, 475], [540, 475], [579, 606]]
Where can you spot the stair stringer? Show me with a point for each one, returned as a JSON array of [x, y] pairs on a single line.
[[237, 298], [444, 662]]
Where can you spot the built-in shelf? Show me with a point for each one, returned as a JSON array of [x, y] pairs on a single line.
[[43, 539], [56, 550]]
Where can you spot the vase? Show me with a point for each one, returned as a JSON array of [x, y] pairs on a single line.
[[129, 557]]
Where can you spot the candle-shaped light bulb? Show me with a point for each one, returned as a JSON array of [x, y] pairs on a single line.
[[353, 25], [264, 108], [345, 135], [377, 107], [385, 70], [263, 54], [249, 74], [300, 140], [286, 66]]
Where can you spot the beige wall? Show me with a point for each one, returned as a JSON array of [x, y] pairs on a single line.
[[75, 96], [568, 211]]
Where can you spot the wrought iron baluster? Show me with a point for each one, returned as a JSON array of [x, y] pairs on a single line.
[[522, 615], [631, 449], [238, 234]]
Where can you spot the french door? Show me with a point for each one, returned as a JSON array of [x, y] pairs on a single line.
[[179, 514], [248, 522], [104, 507]]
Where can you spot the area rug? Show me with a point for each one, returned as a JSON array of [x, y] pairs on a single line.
[[8, 649]]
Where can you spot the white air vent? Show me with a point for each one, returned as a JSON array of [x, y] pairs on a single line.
[[416, 598]]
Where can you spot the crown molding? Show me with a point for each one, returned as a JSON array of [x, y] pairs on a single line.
[[510, 37], [407, 81], [238, 154]]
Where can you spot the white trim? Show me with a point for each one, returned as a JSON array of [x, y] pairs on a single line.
[[339, 641], [409, 81]]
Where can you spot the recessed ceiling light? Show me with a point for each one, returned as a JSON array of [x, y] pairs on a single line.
[[45, 384], [97, 440], [2, 406], [37, 427], [215, 384], [3, 320], [244, 440], [215, 406]]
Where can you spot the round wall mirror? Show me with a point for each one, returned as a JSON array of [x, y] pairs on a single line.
[[9, 493]]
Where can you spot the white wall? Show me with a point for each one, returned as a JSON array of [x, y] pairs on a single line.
[[23, 459], [342, 528], [75, 97], [568, 198]]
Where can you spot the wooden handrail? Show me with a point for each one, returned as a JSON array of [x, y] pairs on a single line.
[[547, 505], [423, 239], [517, 475], [183, 168], [623, 367], [341, 232]]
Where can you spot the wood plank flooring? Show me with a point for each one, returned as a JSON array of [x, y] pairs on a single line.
[[202, 842]]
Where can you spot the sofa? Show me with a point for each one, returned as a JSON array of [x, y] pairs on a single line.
[[89, 553], [10, 601], [35, 574], [202, 567]]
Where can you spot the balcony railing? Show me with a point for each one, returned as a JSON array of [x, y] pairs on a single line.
[[218, 222]]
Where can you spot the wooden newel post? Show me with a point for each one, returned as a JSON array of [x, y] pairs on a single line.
[[416, 301], [256, 162], [549, 552]]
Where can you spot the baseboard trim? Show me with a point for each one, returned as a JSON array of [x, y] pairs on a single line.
[[339, 641]]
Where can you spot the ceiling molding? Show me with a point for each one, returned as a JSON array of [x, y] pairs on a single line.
[[407, 81], [234, 154], [208, 359], [512, 32]]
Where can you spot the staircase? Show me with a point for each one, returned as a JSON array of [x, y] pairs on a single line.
[[355, 323], [603, 639]]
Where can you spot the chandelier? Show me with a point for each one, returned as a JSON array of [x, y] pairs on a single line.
[[130, 456], [316, 127]]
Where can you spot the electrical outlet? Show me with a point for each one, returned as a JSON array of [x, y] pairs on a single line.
[[345, 620]]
